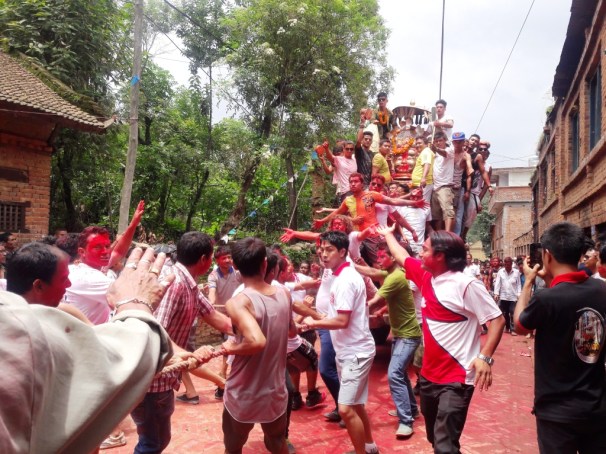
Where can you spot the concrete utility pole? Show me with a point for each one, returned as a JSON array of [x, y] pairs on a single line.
[[133, 138]]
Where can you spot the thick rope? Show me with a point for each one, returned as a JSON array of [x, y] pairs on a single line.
[[189, 364]]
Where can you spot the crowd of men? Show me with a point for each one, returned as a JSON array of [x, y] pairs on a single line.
[[394, 249], [450, 168]]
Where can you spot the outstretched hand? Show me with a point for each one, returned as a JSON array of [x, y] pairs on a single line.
[[139, 212], [139, 279], [384, 230], [288, 235], [317, 224]]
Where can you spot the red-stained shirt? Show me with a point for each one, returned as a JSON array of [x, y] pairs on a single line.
[[363, 205], [177, 312]]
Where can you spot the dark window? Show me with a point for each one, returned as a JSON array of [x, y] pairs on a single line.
[[595, 108], [553, 182], [12, 216], [543, 184], [575, 148]]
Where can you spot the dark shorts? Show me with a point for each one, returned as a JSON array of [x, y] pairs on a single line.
[[235, 434], [303, 358]]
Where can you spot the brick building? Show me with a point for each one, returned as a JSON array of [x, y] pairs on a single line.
[[570, 181], [511, 205], [31, 114]]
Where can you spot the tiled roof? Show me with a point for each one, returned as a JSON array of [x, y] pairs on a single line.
[[20, 87]]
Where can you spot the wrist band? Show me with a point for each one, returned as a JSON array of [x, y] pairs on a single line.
[[135, 301]]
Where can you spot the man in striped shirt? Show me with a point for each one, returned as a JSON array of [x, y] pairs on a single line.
[[179, 308]]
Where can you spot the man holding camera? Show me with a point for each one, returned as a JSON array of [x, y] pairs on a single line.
[[568, 316]]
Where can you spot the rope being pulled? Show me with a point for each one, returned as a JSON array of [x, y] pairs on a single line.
[[189, 364]]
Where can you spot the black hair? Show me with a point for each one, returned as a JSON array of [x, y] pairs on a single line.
[[51, 240], [30, 262], [248, 255], [453, 248], [441, 101], [69, 245], [272, 261], [588, 245], [603, 255], [192, 246], [382, 94], [565, 242], [475, 135], [276, 247], [337, 239], [222, 250], [440, 135]]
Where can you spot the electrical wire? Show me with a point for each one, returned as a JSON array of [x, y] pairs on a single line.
[[504, 66], [198, 24]]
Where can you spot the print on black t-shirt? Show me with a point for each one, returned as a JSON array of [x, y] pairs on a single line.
[[589, 335]]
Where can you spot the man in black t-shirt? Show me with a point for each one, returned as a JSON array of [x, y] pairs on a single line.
[[568, 316], [362, 152]]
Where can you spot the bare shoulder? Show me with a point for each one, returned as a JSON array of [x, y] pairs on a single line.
[[238, 303]]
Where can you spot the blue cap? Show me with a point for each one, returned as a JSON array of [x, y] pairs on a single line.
[[458, 136]]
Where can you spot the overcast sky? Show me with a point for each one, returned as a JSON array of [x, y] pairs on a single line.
[[478, 37]]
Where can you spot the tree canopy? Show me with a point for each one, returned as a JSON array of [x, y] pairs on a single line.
[[296, 72]]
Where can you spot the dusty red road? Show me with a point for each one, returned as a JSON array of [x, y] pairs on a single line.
[[499, 420]]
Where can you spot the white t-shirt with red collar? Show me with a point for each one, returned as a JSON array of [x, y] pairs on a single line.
[[348, 294], [455, 307]]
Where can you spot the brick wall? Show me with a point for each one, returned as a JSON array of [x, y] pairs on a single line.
[[521, 244], [36, 163], [565, 193]]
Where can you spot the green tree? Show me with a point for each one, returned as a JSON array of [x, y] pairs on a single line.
[[77, 47], [481, 228], [299, 70]]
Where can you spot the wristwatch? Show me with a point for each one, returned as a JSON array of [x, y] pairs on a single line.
[[487, 359]]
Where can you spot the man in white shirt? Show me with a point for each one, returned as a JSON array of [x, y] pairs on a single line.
[[353, 343], [417, 218], [89, 282], [471, 269], [444, 123], [344, 166], [442, 198], [507, 289]]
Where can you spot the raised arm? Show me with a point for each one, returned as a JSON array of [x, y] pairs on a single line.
[[404, 202], [320, 222], [123, 242], [397, 251], [290, 234], [327, 169], [373, 273], [401, 220], [361, 129]]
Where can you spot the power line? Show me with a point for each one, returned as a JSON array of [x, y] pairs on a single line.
[[505, 66], [198, 24]]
